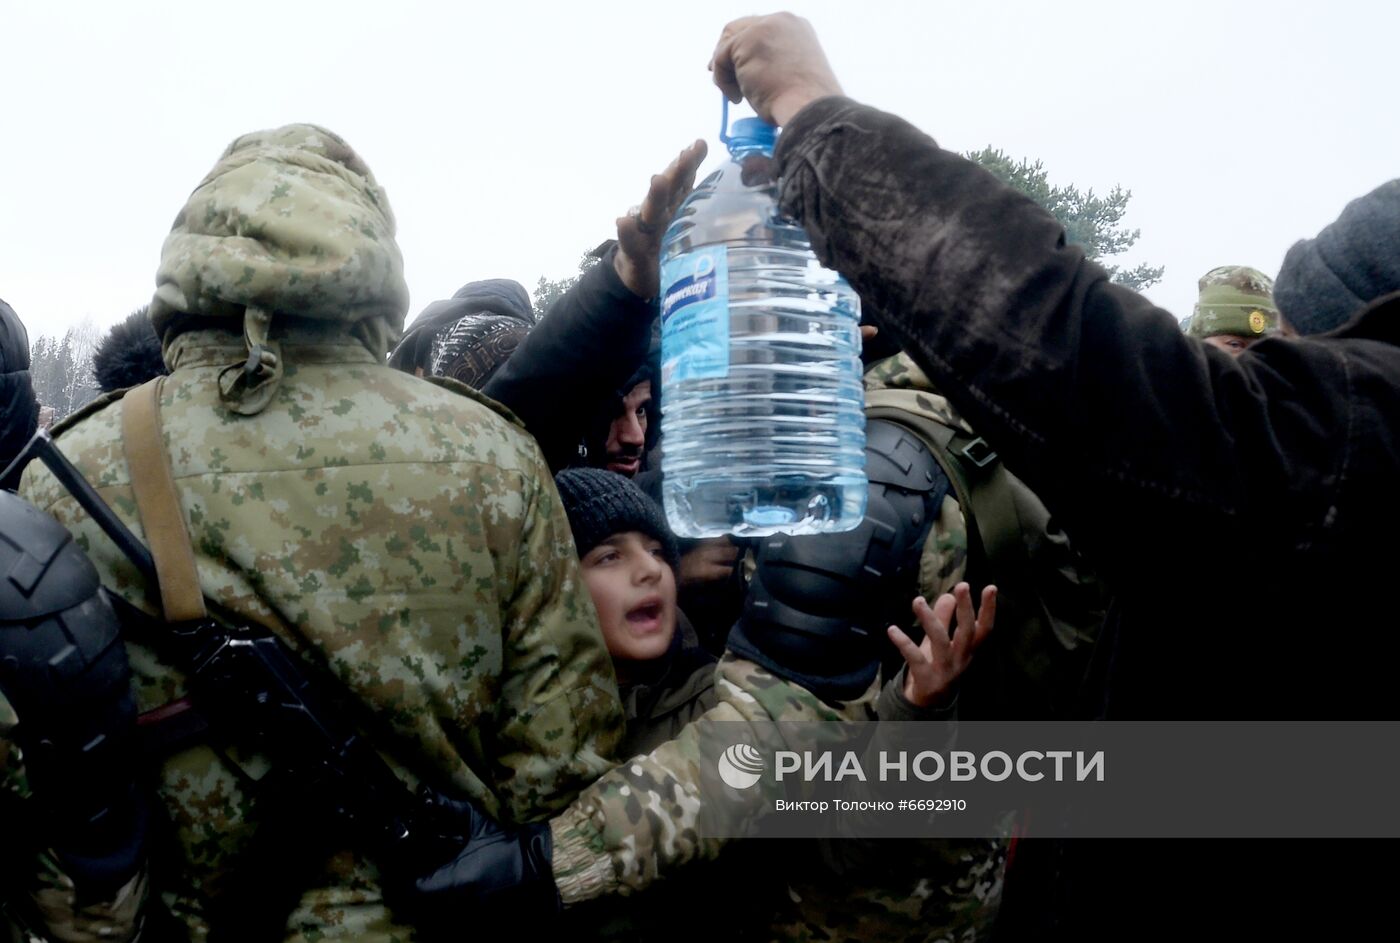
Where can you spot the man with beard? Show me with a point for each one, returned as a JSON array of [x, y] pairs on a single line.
[[631, 427]]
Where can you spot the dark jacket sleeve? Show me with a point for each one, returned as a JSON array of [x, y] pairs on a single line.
[[572, 364], [19, 411], [893, 705], [1132, 432]]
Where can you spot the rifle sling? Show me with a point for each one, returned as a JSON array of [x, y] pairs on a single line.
[[158, 504], [263, 889]]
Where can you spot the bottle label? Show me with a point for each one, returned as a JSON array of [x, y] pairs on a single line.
[[695, 316]]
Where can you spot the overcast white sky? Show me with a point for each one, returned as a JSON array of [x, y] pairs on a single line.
[[509, 135]]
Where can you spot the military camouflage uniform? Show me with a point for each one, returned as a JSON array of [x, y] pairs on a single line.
[[1236, 300], [641, 821], [404, 537]]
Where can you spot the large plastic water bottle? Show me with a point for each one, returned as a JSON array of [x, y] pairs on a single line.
[[763, 421]]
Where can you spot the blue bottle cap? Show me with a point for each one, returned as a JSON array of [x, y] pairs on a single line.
[[747, 133], [752, 132]]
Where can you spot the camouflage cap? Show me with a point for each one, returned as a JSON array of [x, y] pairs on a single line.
[[289, 222], [1234, 299]]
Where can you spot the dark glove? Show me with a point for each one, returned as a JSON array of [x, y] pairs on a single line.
[[498, 870]]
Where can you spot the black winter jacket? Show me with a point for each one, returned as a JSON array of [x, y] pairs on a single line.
[[19, 411], [565, 378], [1243, 510], [1240, 508]]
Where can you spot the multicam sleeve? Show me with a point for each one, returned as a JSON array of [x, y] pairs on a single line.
[[559, 716], [943, 561], [642, 820]]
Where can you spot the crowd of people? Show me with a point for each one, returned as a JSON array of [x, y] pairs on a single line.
[[1076, 511]]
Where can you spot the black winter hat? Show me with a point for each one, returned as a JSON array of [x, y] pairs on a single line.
[[601, 503], [1353, 261]]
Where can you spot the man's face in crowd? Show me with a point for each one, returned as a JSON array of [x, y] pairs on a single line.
[[627, 436]]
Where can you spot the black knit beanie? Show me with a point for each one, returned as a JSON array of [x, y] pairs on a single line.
[[601, 503], [1353, 261]]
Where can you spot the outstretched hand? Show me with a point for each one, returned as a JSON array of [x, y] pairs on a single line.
[[710, 561], [639, 233], [934, 666], [775, 62]]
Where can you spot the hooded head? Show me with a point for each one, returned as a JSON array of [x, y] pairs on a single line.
[[625, 426], [469, 336], [290, 223], [1353, 261]]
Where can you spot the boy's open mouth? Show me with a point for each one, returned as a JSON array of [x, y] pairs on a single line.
[[646, 617]]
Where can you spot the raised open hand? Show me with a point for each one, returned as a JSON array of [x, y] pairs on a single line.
[[639, 233], [934, 666]]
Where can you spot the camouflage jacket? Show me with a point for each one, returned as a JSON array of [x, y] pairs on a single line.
[[644, 820], [404, 537], [640, 821]]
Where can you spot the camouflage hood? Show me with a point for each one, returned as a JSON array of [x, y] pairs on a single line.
[[290, 223], [890, 382]]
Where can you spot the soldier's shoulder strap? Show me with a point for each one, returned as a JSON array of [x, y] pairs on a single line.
[[158, 504], [248, 678]]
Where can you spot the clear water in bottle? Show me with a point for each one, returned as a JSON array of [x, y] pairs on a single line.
[[763, 422]]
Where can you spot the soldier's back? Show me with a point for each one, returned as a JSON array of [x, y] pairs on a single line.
[[406, 539]]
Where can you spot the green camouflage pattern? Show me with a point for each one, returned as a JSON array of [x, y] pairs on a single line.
[[904, 890], [647, 818], [289, 220], [289, 223], [642, 820], [403, 536], [1236, 300]]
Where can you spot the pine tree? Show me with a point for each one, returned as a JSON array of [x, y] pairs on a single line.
[[1091, 222], [548, 291], [61, 369]]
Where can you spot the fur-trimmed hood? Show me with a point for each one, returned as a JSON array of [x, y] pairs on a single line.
[[129, 355]]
